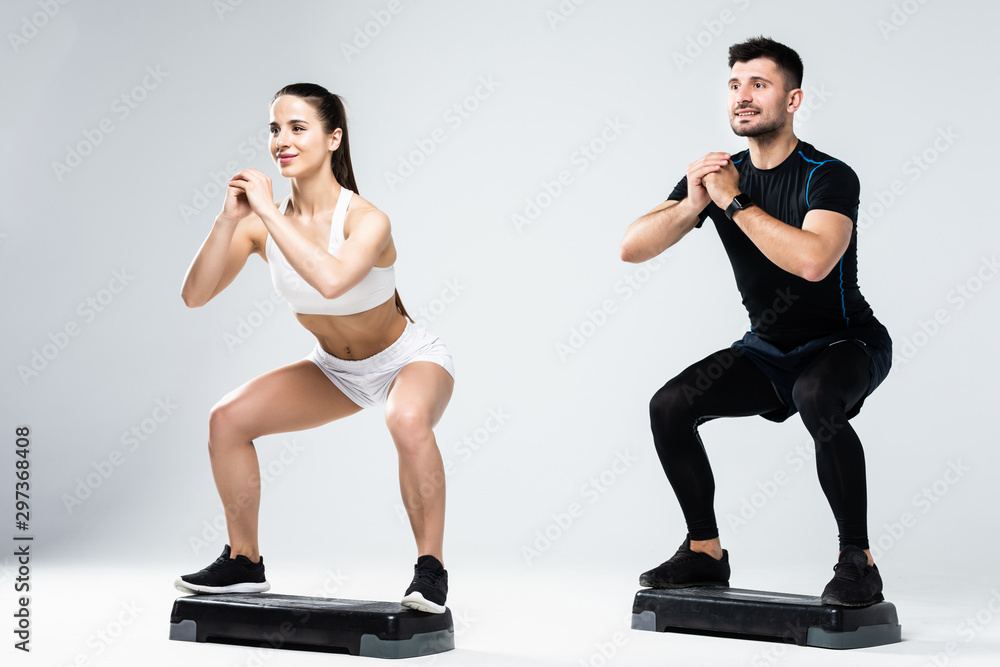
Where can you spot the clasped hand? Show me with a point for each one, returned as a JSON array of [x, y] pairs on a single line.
[[713, 178], [248, 192]]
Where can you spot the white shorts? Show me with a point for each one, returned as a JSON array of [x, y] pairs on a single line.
[[367, 381]]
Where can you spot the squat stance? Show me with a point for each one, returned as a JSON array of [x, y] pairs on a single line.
[[331, 256], [786, 214]]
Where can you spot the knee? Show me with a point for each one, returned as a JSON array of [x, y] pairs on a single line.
[[811, 399], [670, 403], [410, 429], [821, 410], [225, 424]]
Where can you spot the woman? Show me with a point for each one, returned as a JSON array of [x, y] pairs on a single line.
[[331, 257]]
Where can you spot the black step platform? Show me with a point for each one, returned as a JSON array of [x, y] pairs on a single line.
[[357, 627], [783, 617]]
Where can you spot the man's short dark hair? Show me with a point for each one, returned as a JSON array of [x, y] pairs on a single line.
[[785, 58]]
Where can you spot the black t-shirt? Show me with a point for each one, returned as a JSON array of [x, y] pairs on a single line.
[[784, 309]]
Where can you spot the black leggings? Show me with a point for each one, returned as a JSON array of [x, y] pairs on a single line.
[[823, 394]]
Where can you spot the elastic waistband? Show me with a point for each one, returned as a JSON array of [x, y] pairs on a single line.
[[382, 359]]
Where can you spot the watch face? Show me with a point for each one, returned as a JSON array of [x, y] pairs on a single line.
[[740, 202]]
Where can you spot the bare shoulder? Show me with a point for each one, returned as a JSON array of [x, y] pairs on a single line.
[[362, 214]]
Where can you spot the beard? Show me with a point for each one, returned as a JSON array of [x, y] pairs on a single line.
[[765, 126]]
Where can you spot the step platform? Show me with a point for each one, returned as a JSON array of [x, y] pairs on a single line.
[[783, 617], [357, 627]]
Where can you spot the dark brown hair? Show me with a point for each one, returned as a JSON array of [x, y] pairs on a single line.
[[787, 60]]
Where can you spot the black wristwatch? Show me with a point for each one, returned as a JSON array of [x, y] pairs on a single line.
[[740, 202]]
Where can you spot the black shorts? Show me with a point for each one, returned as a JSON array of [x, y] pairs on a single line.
[[784, 368]]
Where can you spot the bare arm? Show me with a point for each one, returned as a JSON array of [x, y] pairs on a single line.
[[810, 252], [330, 276], [667, 224], [659, 229], [235, 235]]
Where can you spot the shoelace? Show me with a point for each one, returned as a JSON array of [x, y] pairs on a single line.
[[426, 577], [849, 571], [685, 554], [218, 562]]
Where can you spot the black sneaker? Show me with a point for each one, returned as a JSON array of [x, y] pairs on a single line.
[[226, 575], [855, 582], [688, 568], [429, 588]]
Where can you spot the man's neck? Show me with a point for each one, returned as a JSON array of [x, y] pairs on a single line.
[[769, 150]]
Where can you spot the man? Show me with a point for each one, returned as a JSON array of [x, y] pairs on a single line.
[[787, 216]]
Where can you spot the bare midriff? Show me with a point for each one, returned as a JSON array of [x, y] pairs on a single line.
[[357, 336]]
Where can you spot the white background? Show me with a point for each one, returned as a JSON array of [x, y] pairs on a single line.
[[886, 83]]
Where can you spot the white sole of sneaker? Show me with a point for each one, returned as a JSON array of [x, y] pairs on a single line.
[[416, 600], [185, 587]]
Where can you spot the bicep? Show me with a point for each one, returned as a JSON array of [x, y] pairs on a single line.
[[249, 238], [369, 236], [833, 231]]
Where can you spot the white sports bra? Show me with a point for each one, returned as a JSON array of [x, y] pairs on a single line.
[[377, 287]]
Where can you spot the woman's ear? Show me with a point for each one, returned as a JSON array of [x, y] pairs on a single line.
[[335, 137]]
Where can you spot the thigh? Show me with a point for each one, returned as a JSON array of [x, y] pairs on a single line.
[[420, 388], [291, 398], [841, 370], [724, 384]]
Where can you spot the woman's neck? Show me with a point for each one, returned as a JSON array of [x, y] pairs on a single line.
[[311, 194]]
